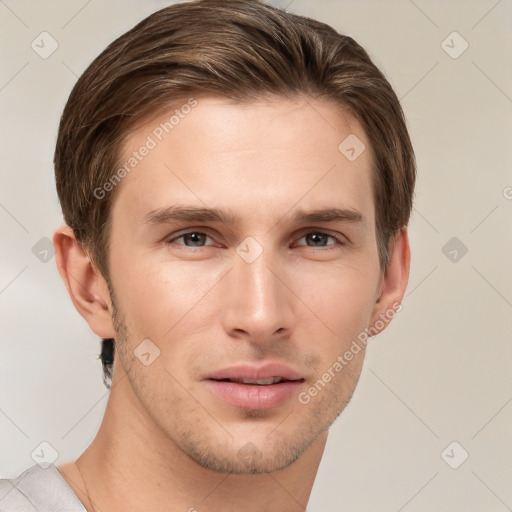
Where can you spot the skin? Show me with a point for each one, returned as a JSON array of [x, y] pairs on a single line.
[[167, 442]]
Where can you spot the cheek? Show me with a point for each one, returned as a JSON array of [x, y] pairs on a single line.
[[344, 305], [341, 298], [159, 297]]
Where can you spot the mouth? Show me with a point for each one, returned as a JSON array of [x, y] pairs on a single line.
[[259, 382], [251, 387]]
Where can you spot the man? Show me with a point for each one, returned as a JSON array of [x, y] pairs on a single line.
[[236, 183]]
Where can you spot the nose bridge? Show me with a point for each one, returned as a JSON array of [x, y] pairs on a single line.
[[259, 279], [258, 299]]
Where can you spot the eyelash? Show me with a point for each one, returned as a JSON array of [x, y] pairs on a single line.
[[341, 241]]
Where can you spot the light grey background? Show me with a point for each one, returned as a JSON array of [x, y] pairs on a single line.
[[439, 373]]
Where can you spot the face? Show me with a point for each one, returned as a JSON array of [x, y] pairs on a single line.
[[237, 295]]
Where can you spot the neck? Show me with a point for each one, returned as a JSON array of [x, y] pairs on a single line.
[[132, 465]]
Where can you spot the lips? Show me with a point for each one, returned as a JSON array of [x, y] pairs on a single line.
[[251, 372], [258, 382], [253, 387]]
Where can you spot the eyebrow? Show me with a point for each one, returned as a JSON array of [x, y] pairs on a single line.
[[196, 214]]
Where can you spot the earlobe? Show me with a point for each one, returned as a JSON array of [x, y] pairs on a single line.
[[393, 284], [86, 287]]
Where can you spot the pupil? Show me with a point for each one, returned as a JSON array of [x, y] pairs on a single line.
[[196, 237], [318, 237]]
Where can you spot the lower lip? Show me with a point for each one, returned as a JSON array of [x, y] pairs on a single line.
[[252, 396]]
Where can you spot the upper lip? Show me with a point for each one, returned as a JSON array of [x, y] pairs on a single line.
[[248, 371]]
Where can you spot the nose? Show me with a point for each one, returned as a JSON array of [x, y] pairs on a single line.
[[258, 305]]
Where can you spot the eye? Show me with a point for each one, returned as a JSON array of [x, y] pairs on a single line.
[[320, 239], [194, 238]]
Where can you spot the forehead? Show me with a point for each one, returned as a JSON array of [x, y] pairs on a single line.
[[270, 154]]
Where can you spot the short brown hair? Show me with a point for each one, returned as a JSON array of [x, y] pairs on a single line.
[[237, 49]]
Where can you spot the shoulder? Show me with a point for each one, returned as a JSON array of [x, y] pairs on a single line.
[[38, 489], [12, 499]]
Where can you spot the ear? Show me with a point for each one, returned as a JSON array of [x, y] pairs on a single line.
[[392, 284], [86, 286]]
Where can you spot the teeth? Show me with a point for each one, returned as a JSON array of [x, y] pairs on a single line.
[[261, 382]]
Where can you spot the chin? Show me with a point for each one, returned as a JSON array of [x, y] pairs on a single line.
[[261, 451]]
